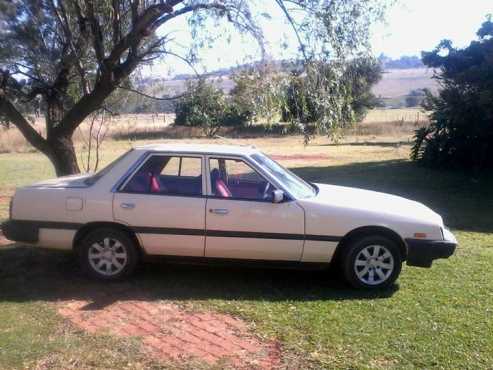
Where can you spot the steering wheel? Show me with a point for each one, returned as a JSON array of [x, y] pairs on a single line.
[[266, 193]]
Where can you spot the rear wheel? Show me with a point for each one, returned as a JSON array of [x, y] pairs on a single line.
[[372, 262], [108, 254]]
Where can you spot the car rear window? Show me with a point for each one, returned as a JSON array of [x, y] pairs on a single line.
[[168, 175], [98, 175]]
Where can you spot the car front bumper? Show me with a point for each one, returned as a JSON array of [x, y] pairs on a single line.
[[422, 253]]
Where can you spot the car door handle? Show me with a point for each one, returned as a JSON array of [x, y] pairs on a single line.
[[219, 211], [127, 205]]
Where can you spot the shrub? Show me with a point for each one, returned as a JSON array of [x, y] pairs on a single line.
[[320, 95], [461, 129], [415, 98], [206, 106], [259, 93]]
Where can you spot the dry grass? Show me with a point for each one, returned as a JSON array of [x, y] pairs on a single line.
[[12, 141], [392, 123], [396, 115]]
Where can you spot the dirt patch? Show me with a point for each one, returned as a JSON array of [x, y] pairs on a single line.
[[170, 333], [298, 157]]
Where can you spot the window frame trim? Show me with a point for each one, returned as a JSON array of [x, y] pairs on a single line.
[[249, 162], [131, 172]]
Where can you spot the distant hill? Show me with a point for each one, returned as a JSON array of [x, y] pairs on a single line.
[[395, 85], [397, 82], [404, 62]]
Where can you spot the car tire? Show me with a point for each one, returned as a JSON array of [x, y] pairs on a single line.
[[371, 262], [108, 254]]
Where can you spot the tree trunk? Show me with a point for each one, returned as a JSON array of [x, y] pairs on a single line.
[[62, 156]]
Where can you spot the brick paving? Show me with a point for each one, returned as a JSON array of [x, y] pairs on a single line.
[[171, 333], [3, 241]]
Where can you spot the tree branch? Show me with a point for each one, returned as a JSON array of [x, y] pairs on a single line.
[[187, 9], [97, 36], [115, 4], [16, 118], [114, 71], [141, 25], [293, 26], [64, 24]]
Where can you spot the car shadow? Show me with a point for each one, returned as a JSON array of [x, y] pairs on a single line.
[[33, 274], [465, 202]]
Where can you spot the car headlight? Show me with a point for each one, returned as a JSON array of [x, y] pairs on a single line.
[[448, 236]]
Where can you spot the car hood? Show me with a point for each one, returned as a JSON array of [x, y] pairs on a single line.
[[375, 202], [72, 181]]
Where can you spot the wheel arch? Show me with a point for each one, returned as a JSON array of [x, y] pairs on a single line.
[[363, 231], [91, 226]]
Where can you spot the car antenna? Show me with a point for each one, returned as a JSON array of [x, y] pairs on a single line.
[[229, 141]]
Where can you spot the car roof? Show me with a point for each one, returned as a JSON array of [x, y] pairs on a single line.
[[199, 148]]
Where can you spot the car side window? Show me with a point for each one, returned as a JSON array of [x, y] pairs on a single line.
[[234, 178], [168, 175]]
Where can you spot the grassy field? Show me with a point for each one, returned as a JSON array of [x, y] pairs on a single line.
[[434, 318]]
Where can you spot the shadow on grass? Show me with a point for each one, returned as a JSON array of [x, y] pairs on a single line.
[[464, 202], [179, 132], [391, 144], [30, 274]]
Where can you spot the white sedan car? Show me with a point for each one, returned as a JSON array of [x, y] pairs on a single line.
[[210, 202]]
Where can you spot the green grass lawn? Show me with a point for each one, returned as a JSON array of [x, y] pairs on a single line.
[[433, 318]]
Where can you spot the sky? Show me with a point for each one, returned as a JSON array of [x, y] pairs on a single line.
[[416, 25], [410, 27]]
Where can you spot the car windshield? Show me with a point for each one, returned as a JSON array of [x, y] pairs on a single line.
[[298, 187], [95, 177]]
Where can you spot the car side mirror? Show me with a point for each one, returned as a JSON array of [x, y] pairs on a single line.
[[277, 196]]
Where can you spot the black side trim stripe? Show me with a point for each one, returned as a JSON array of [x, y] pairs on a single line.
[[255, 235], [183, 231], [323, 238], [234, 234], [167, 230], [49, 224]]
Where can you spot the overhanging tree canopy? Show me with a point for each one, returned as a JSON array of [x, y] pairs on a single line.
[[68, 57]]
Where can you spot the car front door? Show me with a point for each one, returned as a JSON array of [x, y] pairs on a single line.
[[241, 219], [163, 202]]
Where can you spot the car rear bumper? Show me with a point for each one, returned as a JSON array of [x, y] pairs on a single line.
[[422, 253], [20, 231]]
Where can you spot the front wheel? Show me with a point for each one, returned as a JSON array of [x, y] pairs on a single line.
[[372, 262], [108, 254]]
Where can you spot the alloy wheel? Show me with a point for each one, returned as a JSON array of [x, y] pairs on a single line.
[[374, 264], [108, 257]]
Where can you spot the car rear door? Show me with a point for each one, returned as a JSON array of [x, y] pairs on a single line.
[[164, 203], [241, 223]]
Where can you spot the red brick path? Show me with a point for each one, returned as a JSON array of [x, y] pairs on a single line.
[[4, 241], [168, 332]]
